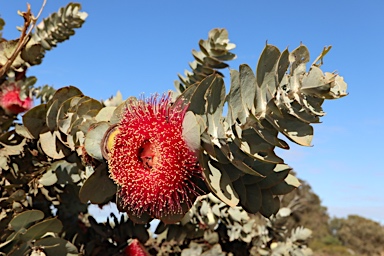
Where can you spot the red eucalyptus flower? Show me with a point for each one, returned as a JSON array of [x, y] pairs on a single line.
[[135, 248], [151, 162], [11, 102]]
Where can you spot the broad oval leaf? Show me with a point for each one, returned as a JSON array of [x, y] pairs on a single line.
[[247, 86], [24, 219], [191, 131], [265, 71], [282, 66], [237, 107], [39, 229], [49, 178], [298, 56], [85, 106], [105, 114], [51, 145], [282, 188], [270, 204], [215, 97], [219, 183], [195, 96], [294, 129], [93, 139], [281, 171], [65, 113], [52, 112], [98, 187], [254, 198], [63, 94], [35, 120]]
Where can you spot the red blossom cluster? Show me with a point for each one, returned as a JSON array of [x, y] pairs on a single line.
[[151, 162], [11, 101]]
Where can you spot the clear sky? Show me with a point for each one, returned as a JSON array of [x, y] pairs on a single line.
[[140, 46]]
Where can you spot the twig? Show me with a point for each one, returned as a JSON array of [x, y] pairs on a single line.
[[24, 38]]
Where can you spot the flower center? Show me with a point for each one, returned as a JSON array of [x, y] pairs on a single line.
[[147, 155]]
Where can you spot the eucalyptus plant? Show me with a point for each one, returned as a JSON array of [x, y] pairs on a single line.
[[62, 155]]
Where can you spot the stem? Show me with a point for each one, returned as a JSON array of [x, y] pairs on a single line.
[[29, 24]]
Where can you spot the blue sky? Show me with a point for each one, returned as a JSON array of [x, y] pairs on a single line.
[[140, 46]]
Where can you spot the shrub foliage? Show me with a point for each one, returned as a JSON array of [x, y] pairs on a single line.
[[54, 160]]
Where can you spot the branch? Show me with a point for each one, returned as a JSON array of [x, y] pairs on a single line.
[[29, 24]]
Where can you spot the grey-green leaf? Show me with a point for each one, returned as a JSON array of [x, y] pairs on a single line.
[[39, 229], [98, 187], [93, 139], [24, 219]]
